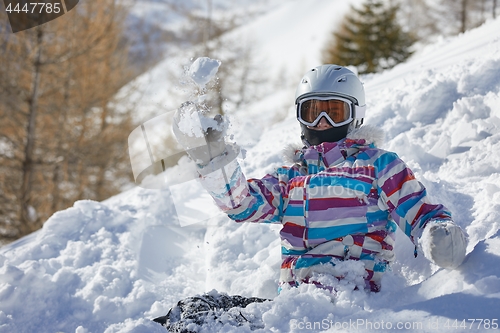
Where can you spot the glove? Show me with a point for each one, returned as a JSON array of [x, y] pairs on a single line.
[[444, 243], [203, 138]]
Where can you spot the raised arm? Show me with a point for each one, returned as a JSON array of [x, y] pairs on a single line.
[[255, 200]]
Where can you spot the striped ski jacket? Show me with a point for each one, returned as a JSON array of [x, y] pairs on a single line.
[[338, 201]]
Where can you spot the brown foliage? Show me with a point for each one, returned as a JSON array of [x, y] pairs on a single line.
[[61, 137]]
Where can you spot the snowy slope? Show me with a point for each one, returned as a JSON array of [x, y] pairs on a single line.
[[111, 266], [284, 42]]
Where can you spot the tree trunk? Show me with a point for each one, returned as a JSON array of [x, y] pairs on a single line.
[[28, 163], [60, 137], [463, 16], [101, 173]]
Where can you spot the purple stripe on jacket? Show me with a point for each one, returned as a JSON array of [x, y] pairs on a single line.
[[333, 214], [394, 183]]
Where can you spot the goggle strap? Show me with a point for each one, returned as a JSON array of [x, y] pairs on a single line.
[[359, 111]]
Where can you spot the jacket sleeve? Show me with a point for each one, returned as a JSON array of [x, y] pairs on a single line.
[[405, 197], [252, 200]]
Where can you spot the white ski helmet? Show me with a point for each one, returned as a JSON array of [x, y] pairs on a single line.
[[331, 82]]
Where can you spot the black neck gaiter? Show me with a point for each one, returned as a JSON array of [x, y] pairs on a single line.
[[314, 138]]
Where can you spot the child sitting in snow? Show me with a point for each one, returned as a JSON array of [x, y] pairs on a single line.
[[342, 199], [339, 203]]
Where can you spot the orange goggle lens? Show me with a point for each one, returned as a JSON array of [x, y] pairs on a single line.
[[338, 112]]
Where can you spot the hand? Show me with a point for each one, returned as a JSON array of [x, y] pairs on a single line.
[[203, 138], [444, 243], [216, 145]]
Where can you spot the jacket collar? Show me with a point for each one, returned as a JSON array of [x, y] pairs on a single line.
[[331, 153], [371, 135]]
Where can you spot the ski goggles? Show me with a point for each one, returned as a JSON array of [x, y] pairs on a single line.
[[338, 111]]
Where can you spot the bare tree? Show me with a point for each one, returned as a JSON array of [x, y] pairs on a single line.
[[464, 14], [420, 18], [60, 137], [239, 76], [428, 18]]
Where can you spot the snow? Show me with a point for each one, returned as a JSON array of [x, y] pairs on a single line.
[[112, 266], [190, 122], [203, 70]]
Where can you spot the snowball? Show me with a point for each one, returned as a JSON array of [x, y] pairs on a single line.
[[203, 70]]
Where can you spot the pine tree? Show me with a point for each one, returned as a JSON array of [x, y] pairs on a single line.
[[370, 38]]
